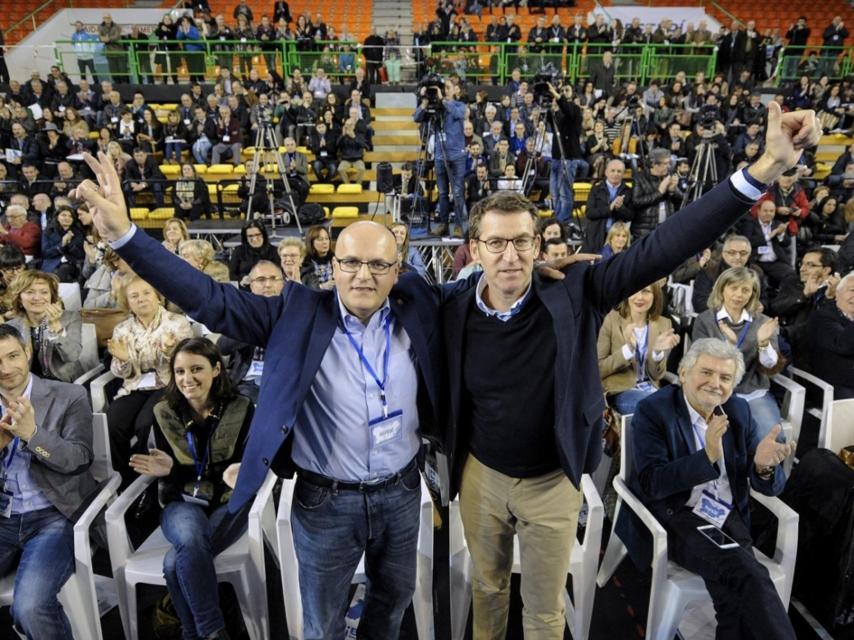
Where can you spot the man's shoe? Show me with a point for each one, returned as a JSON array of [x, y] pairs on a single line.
[[440, 229]]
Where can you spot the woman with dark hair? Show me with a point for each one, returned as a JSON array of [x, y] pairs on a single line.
[[166, 33], [549, 228], [201, 426], [317, 268], [62, 246], [254, 246], [633, 345], [12, 262], [826, 223], [190, 197]]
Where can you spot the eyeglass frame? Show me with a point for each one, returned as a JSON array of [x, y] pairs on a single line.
[[266, 279], [385, 265], [507, 241]]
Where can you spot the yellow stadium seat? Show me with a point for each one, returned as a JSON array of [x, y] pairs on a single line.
[[545, 213], [239, 170], [170, 170], [212, 189], [230, 189], [162, 213], [221, 168], [200, 168], [326, 212], [322, 189], [93, 135], [349, 188], [345, 212], [139, 213]]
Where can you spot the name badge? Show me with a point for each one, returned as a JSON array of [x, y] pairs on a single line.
[[6, 503], [61, 108], [764, 251], [712, 509], [256, 369], [200, 493], [323, 154], [114, 119], [187, 121], [386, 429], [226, 138]]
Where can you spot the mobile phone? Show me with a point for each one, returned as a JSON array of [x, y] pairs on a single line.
[[719, 411], [717, 537]]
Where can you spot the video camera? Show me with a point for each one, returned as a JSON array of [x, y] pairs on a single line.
[[709, 117], [540, 85], [434, 85]]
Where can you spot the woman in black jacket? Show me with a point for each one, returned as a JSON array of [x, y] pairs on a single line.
[[254, 247], [191, 195], [167, 30]]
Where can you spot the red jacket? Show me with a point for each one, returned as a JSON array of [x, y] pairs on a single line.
[[796, 199], [27, 239]]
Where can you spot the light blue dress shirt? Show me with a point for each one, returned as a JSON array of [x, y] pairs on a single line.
[[332, 433]]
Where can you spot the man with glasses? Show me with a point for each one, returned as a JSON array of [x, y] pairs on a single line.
[[350, 386], [524, 388], [735, 253], [801, 295]]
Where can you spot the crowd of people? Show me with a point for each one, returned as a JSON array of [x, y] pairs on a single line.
[[767, 255]]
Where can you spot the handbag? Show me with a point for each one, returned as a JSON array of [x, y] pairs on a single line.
[[610, 433]]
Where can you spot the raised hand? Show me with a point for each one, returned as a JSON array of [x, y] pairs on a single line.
[[786, 137], [769, 452], [768, 330], [105, 199], [729, 334], [666, 341], [229, 476], [118, 349], [714, 434]]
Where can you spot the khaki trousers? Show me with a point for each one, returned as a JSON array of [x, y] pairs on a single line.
[[543, 512]]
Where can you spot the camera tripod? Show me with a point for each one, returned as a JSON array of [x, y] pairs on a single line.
[[266, 145], [704, 171], [436, 128]]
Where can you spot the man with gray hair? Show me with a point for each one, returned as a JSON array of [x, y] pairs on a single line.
[[696, 455], [831, 340]]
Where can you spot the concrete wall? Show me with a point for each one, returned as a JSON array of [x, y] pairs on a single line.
[[38, 50]]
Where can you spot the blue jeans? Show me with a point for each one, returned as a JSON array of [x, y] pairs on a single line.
[[189, 565], [44, 540], [201, 148], [457, 168], [766, 413], [173, 150], [627, 401], [332, 529], [561, 180]]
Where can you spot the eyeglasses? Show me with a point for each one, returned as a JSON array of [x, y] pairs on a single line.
[[498, 245], [742, 254], [354, 265], [266, 279], [289, 256]]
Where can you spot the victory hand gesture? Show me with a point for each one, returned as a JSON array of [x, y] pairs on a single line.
[[105, 199]]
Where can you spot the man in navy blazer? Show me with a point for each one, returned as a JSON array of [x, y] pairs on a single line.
[[679, 439], [525, 395]]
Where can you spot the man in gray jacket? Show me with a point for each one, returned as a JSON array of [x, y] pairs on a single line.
[[45, 455]]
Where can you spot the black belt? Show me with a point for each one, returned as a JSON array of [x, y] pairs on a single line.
[[363, 487]]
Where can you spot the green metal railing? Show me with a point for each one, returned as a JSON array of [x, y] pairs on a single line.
[[139, 60], [575, 61], [794, 62]]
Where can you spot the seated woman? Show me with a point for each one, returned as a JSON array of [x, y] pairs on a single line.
[[62, 246], [54, 334], [410, 258], [291, 254], [190, 195], [197, 472], [103, 285], [549, 228], [617, 240], [200, 254], [254, 246], [734, 315], [317, 268], [174, 233], [633, 345], [141, 347], [12, 262]]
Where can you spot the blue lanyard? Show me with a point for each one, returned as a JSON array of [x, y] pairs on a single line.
[[191, 445], [742, 335], [380, 383], [8, 461]]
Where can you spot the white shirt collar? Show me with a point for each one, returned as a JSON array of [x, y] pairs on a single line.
[[724, 314], [504, 316]]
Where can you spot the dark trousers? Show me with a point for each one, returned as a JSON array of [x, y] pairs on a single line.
[[746, 603], [4, 71], [129, 416], [373, 71], [82, 65]]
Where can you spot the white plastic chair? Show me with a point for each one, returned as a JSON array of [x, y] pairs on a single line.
[[69, 292], [78, 597], [820, 411], [98, 393], [422, 600], [241, 564], [840, 428], [582, 566], [792, 411], [675, 588]]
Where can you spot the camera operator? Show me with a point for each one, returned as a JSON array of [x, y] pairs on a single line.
[[566, 148], [710, 130], [449, 152]]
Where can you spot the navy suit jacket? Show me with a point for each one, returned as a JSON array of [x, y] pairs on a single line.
[[578, 304], [296, 329], [666, 465]]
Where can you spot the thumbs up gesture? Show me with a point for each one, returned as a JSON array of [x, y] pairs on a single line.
[[770, 453]]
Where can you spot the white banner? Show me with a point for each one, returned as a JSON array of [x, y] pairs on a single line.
[[654, 15]]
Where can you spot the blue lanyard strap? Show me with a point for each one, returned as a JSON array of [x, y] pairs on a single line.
[[642, 352], [370, 369], [8, 461], [742, 335], [191, 445]]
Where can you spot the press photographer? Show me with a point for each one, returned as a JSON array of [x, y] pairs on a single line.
[[564, 119], [442, 114]]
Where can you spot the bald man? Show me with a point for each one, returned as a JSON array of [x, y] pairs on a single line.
[[350, 387]]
